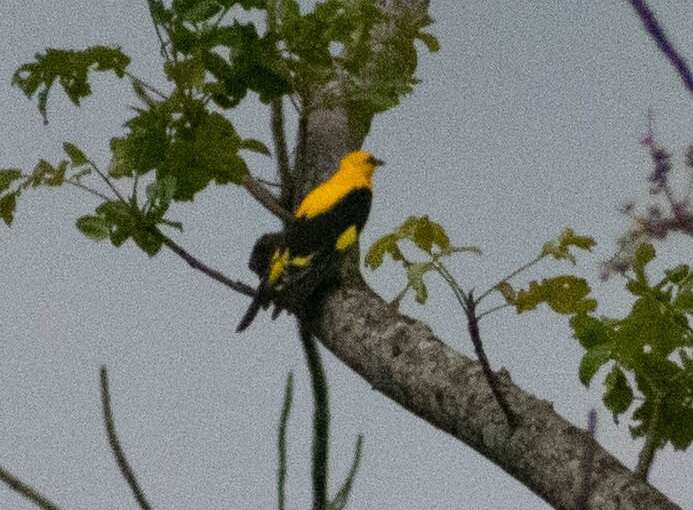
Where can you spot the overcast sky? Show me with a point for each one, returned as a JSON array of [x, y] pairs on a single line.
[[528, 120]]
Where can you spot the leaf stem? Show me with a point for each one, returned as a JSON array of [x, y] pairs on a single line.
[[107, 181], [510, 276], [88, 189], [146, 85]]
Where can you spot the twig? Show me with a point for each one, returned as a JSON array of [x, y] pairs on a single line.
[[321, 418], [125, 468], [468, 304], [27, 491], [657, 33], [647, 454], [283, 167], [107, 181], [283, 421], [268, 183], [510, 276], [193, 262], [145, 85], [267, 199], [587, 463], [88, 189], [491, 310], [162, 44], [473, 328]]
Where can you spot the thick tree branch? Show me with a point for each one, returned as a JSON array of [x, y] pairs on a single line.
[[401, 358], [657, 33]]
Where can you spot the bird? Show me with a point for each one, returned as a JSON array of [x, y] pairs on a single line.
[[295, 264]]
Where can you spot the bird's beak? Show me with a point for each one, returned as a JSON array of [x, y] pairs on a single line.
[[377, 162]]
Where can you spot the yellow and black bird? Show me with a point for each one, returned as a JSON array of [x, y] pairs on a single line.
[[326, 223]]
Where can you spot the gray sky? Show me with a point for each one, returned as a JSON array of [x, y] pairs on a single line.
[[528, 120]]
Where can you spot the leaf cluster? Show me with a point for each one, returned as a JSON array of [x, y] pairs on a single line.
[[653, 344], [428, 237]]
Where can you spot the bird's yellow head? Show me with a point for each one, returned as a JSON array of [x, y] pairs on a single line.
[[359, 164]]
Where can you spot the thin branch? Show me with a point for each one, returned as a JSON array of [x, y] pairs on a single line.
[[193, 262], [107, 181], [27, 491], [647, 454], [282, 152], [588, 463], [268, 183], [321, 418], [491, 310], [657, 33], [117, 449], [473, 328], [146, 85], [468, 304], [283, 421], [88, 189], [162, 44], [267, 199], [223, 13], [510, 276]]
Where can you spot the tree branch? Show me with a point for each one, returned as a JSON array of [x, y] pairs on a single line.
[[193, 262], [125, 468], [401, 358], [27, 491], [266, 198], [282, 153], [657, 33]]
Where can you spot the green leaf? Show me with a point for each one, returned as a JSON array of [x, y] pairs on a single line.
[[643, 255], [618, 396], [592, 361], [589, 330], [8, 204], [564, 294], [560, 248], [116, 212], [415, 273], [75, 154], [93, 227], [148, 241], [429, 40], [7, 176], [677, 274], [385, 245], [70, 68], [255, 146], [684, 301], [507, 292]]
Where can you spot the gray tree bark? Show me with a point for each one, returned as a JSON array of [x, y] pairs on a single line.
[[401, 358]]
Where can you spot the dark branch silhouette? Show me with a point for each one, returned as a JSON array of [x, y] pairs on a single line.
[[266, 198], [657, 33], [195, 263], [125, 468], [25, 490]]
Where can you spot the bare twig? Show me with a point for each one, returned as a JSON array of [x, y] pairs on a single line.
[[125, 468], [588, 463], [321, 418], [657, 33], [88, 189], [473, 328], [25, 490], [268, 183], [193, 262], [107, 181], [267, 199], [509, 276], [283, 421]]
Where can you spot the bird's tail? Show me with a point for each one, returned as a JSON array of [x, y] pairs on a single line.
[[250, 314]]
